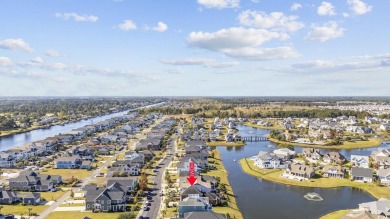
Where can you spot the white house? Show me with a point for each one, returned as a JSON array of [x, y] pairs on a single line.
[[269, 160], [360, 161], [284, 153], [361, 174], [384, 176]]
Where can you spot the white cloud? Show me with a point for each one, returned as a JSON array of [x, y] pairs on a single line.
[[251, 53], [15, 44], [52, 53], [127, 25], [37, 60], [219, 3], [345, 14], [174, 71], [235, 37], [77, 17], [359, 7], [255, 1], [275, 20], [238, 42], [328, 31], [295, 6], [161, 27], [207, 63], [326, 8], [54, 66], [5, 61]]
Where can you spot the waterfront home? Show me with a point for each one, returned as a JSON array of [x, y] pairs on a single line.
[[360, 161], [333, 171], [359, 174], [204, 215], [381, 157], [184, 164], [297, 171], [334, 157], [199, 144], [201, 191], [6, 160], [193, 203], [312, 153], [71, 162], [269, 160], [380, 207], [284, 153], [384, 176]]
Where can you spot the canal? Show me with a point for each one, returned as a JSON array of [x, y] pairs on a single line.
[[258, 198]]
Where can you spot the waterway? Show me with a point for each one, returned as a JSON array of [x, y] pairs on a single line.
[[40, 134], [258, 198]]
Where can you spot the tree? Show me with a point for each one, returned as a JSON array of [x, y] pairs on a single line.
[[29, 211], [143, 182], [71, 193], [127, 215]]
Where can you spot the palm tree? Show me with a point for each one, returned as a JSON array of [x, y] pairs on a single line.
[[29, 211], [1, 208]]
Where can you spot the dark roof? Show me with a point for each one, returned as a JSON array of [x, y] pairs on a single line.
[[365, 172], [204, 215]]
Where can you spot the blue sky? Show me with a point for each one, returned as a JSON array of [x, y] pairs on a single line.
[[194, 48]]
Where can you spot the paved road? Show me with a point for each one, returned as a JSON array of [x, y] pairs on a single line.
[[154, 207], [51, 208]]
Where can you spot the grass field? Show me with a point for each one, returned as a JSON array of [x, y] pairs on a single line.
[[20, 209], [223, 175], [335, 215], [79, 215], [274, 127], [68, 173], [371, 142], [274, 176]]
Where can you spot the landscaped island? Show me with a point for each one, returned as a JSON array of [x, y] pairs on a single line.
[[274, 175]]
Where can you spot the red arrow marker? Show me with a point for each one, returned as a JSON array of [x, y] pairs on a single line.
[[192, 178]]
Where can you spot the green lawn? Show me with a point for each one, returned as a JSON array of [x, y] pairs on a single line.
[[274, 127], [68, 173], [79, 215], [221, 172], [49, 196], [336, 214], [274, 175], [20, 209], [371, 142]]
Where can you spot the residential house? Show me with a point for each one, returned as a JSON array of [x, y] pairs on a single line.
[[30, 198], [193, 203], [284, 153], [384, 176], [31, 181], [333, 171], [334, 157], [359, 174], [6, 160], [201, 191], [105, 200], [71, 162], [8, 196], [204, 215], [269, 160], [312, 153], [380, 207], [360, 161], [300, 171]]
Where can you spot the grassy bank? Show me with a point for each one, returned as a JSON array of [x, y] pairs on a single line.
[[22, 209], [371, 142], [335, 215], [274, 176], [224, 143], [221, 172], [274, 127], [78, 214]]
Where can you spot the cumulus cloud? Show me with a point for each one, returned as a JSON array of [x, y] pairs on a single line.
[[77, 17], [5, 61], [359, 7], [219, 3], [161, 27], [275, 20], [15, 44], [37, 60], [54, 66], [326, 8], [328, 31], [52, 53], [207, 63], [238, 42], [127, 25], [295, 6], [235, 37]]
